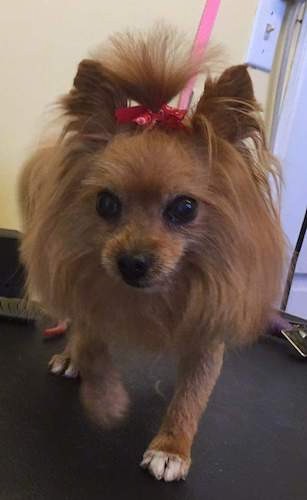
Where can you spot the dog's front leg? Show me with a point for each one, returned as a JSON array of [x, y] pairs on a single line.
[[168, 456], [102, 392]]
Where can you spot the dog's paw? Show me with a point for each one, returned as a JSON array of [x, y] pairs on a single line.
[[61, 364], [105, 402], [165, 466]]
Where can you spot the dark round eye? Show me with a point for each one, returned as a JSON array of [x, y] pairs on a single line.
[[108, 205], [181, 210]]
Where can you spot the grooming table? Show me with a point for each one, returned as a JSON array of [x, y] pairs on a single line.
[[252, 442]]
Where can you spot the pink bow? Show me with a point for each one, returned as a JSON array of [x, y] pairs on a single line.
[[167, 116]]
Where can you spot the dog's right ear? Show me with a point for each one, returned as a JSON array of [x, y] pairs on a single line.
[[229, 105], [91, 103]]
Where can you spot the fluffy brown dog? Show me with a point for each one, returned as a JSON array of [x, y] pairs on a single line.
[[163, 236]]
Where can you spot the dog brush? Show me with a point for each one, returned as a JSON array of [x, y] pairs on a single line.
[[18, 308]]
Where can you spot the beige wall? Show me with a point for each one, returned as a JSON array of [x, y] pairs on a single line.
[[41, 42]]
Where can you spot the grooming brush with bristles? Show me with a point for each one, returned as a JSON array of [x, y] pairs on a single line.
[[18, 308], [24, 310]]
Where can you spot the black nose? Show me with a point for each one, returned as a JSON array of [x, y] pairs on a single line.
[[134, 267]]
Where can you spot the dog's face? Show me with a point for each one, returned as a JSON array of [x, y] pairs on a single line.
[[146, 203]]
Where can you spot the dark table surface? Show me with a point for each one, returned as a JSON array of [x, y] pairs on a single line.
[[252, 442]]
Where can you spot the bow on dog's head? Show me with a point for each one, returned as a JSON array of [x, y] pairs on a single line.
[[167, 117]]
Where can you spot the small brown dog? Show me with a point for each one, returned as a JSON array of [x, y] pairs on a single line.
[[155, 229]]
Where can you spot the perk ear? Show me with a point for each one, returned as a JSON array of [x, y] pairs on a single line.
[[228, 103], [92, 102]]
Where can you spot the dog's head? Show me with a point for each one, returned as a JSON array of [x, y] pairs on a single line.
[[151, 200]]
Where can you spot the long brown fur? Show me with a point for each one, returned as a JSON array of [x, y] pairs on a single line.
[[214, 281]]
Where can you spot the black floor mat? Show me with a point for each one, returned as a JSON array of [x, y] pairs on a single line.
[[252, 442]]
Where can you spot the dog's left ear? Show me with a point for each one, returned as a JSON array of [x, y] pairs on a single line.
[[91, 103], [229, 105]]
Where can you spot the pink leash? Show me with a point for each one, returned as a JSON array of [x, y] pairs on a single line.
[[202, 37]]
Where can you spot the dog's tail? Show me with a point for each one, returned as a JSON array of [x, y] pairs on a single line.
[[150, 68]]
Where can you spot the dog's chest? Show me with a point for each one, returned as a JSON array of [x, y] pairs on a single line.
[[136, 318]]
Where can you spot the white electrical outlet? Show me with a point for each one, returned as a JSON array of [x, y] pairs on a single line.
[[267, 24]]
